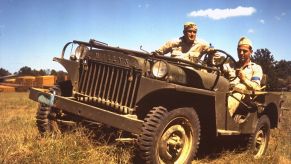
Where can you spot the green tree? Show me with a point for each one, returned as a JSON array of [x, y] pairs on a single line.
[[35, 72], [25, 71], [265, 59], [4, 72], [54, 72], [42, 72], [283, 69]]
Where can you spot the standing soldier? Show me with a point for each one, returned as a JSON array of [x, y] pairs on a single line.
[[187, 47], [248, 74]]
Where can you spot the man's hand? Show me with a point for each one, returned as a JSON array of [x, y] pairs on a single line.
[[240, 74], [210, 50]]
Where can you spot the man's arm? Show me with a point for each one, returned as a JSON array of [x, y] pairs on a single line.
[[167, 47], [255, 82]]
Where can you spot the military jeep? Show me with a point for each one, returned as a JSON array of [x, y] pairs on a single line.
[[171, 105]]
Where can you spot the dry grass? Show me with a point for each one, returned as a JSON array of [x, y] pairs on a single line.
[[21, 143]]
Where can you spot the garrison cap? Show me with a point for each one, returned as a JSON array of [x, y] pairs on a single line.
[[245, 41], [190, 25]]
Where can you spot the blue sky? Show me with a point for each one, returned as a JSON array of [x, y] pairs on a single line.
[[32, 32]]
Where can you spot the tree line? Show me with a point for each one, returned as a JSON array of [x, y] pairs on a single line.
[[27, 71], [278, 72]]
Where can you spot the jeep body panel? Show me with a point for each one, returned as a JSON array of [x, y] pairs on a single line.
[[68, 104]]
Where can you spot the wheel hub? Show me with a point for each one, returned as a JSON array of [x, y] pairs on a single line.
[[175, 142]]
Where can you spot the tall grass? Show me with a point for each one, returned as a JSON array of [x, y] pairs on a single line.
[[20, 141]]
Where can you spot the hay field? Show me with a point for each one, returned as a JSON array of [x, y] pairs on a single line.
[[21, 143]]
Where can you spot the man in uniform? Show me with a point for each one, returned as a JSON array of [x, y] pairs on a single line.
[[187, 47], [248, 74]]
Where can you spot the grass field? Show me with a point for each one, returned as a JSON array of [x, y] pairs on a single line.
[[21, 143]]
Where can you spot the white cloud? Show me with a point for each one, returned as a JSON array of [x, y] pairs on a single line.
[[278, 18], [251, 31], [262, 21], [217, 14], [144, 5]]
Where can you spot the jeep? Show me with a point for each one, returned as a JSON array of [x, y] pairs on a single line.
[[171, 105]]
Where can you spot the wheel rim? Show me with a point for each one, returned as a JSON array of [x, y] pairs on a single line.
[[176, 141], [260, 143]]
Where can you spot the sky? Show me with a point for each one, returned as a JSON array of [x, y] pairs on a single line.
[[32, 32]]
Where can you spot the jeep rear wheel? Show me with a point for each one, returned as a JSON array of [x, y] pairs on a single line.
[[258, 142], [169, 137]]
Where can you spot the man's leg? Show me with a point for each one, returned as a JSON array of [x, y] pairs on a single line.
[[233, 102]]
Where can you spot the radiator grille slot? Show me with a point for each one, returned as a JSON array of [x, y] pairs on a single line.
[[108, 85]]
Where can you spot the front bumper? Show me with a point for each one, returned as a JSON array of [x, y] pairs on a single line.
[[68, 104]]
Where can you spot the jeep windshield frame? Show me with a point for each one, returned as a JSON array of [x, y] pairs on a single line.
[[100, 45]]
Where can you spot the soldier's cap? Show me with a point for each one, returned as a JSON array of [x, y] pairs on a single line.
[[190, 25], [245, 41]]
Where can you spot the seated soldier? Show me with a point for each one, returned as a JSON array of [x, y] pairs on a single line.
[[248, 74], [187, 47]]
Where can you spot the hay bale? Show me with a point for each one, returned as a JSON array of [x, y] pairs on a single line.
[[19, 80], [25, 80], [10, 81], [41, 81], [6, 88], [22, 88], [62, 78]]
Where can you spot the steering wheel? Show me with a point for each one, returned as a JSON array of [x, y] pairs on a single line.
[[219, 59]]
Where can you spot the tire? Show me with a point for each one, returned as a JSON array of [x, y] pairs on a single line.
[[169, 137], [45, 120], [258, 142]]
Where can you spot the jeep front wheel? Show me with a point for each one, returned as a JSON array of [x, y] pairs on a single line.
[[170, 137], [258, 142], [45, 120]]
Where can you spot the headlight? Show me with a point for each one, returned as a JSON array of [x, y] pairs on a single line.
[[81, 51], [160, 69]]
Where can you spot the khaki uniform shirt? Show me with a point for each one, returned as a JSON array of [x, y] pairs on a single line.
[[253, 73], [182, 50]]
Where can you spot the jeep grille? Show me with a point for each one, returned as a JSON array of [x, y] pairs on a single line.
[[112, 86]]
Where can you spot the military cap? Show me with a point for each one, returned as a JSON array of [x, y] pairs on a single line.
[[245, 41], [190, 25]]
